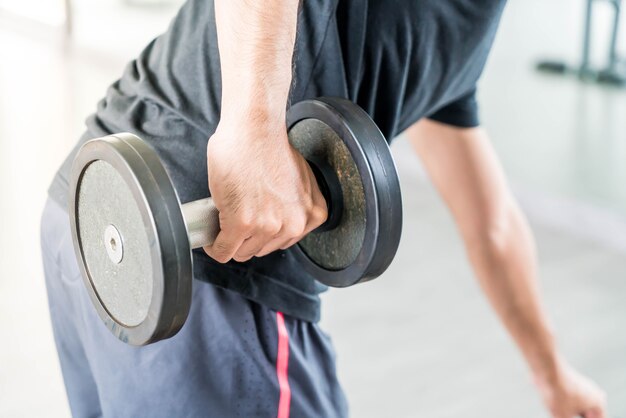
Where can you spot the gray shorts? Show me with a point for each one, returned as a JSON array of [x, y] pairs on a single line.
[[233, 357]]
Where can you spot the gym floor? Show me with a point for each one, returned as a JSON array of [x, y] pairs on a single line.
[[420, 341]]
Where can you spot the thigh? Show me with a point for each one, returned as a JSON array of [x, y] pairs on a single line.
[[312, 373], [63, 283], [224, 362]]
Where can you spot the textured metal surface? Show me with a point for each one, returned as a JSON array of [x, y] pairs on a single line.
[[381, 204], [337, 248], [202, 221], [124, 288]]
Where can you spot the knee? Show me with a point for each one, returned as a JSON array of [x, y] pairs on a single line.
[[492, 231]]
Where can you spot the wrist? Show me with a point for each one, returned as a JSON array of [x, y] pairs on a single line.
[[547, 371], [539, 348], [254, 125], [254, 107], [255, 95], [261, 119]]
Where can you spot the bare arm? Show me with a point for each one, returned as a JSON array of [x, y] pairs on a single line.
[[500, 246], [256, 41], [264, 190]]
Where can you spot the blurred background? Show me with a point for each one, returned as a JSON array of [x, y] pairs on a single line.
[[421, 341]]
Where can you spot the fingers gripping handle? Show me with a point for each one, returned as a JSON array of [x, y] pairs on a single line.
[[202, 220]]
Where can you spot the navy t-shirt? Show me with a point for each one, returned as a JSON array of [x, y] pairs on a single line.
[[400, 60]]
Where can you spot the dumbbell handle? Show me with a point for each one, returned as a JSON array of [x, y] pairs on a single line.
[[202, 220]]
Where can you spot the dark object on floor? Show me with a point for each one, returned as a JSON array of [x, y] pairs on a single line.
[[614, 73]]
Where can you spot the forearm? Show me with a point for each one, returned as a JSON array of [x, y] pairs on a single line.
[[505, 263], [256, 42], [466, 171]]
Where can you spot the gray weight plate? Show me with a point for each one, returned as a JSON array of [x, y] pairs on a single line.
[[130, 239], [338, 248], [105, 207], [364, 242]]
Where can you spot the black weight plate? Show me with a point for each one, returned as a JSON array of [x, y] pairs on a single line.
[[366, 239], [142, 288]]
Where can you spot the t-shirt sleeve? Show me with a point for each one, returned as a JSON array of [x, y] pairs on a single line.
[[462, 113]]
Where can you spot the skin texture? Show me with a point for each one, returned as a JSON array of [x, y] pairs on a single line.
[[465, 170], [265, 192]]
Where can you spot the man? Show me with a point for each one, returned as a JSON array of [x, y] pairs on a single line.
[[228, 71]]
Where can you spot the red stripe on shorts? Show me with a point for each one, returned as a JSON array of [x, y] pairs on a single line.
[[282, 364]]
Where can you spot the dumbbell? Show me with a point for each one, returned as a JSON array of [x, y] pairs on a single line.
[[133, 238]]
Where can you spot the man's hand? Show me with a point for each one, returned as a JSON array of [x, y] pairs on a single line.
[[568, 394], [264, 189]]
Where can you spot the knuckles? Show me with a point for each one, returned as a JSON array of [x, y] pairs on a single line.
[[244, 221], [294, 229], [257, 225], [270, 227], [318, 214]]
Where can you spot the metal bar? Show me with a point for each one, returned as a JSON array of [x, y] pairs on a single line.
[[585, 64], [202, 220], [613, 58], [69, 18]]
